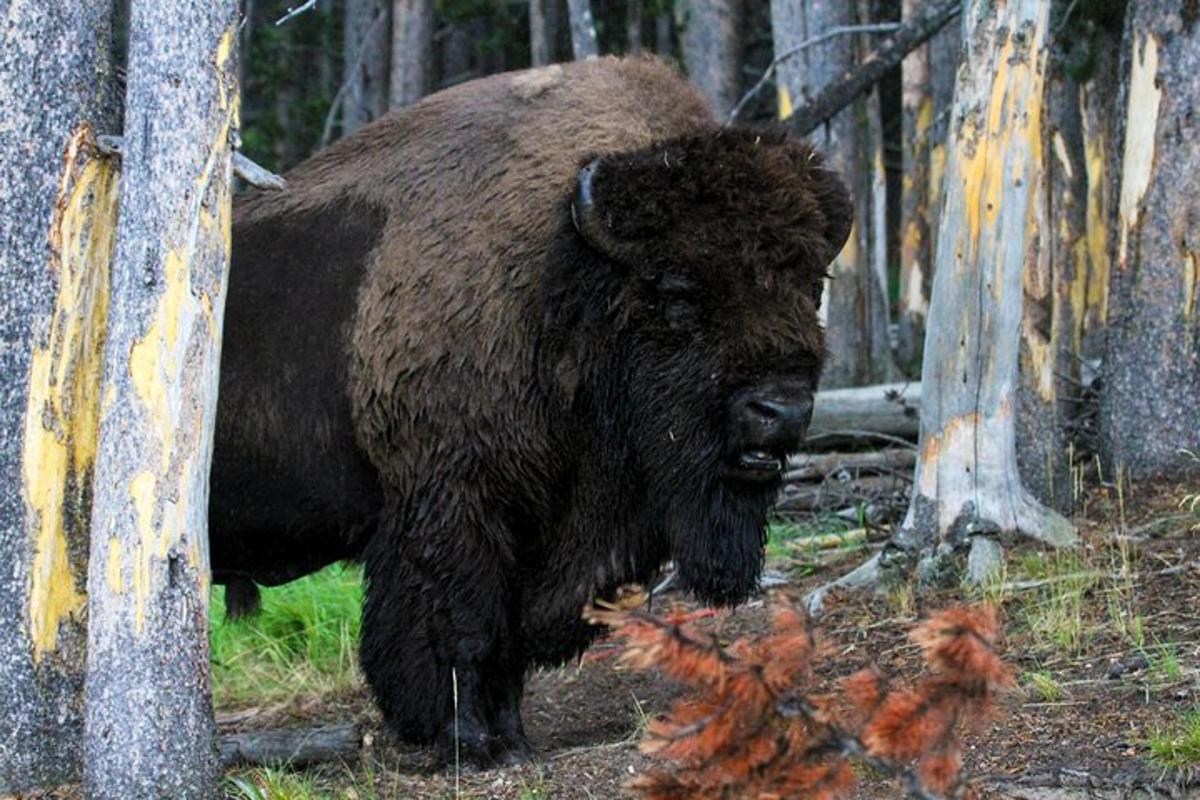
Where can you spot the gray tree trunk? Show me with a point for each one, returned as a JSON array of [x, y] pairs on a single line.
[[967, 487], [915, 251], [543, 31], [711, 39], [56, 218], [633, 27], [583, 29], [365, 52], [1149, 409], [149, 726], [662, 36], [412, 52], [945, 50], [855, 305]]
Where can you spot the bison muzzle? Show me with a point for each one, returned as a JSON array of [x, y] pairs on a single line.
[[512, 348]]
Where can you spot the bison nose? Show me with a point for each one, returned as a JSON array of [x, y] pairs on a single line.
[[776, 424]]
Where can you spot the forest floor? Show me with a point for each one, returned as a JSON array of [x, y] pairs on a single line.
[[1105, 640]]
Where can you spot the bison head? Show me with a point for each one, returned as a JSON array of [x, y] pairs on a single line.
[[696, 345]]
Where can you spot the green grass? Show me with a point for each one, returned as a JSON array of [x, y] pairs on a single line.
[[1177, 746], [303, 641], [1043, 685], [787, 539]]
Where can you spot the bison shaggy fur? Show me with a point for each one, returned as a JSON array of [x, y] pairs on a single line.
[[514, 347]]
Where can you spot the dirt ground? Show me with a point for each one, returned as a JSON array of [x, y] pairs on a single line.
[[1084, 736]]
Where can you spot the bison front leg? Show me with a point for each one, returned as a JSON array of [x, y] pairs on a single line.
[[436, 642]]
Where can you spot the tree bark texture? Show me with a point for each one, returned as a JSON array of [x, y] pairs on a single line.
[[944, 52], [412, 52], [1149, 409], [663, 44], [1098, 97], [543, 31], [916, 104], [967, 482], [149, 727], [1054, 284], [583, 29], [365, 52], [711, 39], [855, 308], [57, 216]]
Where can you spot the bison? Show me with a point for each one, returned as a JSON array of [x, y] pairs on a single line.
[[512, 348]]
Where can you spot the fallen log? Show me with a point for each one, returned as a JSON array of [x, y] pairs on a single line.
[[296, 748], [819, 466], [891, 410], [833, 495]]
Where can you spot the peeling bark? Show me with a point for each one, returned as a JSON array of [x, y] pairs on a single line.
[[149, 727], [1053, 283], [967, 490], [711, 39], [855, 306], [1149, 408], [915, 253], [57, 211]]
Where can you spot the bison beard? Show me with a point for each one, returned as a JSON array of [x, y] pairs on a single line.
[[513, 347]]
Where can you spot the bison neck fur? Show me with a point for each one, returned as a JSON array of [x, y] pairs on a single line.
[[508, 398]]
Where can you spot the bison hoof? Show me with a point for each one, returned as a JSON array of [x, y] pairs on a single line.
[[511, 750]]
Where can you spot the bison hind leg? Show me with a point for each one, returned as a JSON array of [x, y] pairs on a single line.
[[242, 598]]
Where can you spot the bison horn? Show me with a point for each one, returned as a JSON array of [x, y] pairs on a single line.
[[594, 225]]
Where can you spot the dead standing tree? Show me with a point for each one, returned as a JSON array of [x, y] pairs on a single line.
[[711, 40], [1149, 409], [149, 728], [57, 208], [855, 307], [967, 489], [412, 52], [583, 29]]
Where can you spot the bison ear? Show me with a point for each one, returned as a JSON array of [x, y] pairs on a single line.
[[835, 205], [596, 216]]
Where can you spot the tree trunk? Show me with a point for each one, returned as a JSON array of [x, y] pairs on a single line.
[[855, 304], [1098, 96], [57, 214], [412, 52], [365, 71], [915, 252], [1149, 409], [583, 29], [543, 31], [633, 27], [712, 50], [944, 53], [1054, 284], [662, 36], [149, 724], [967, 487]]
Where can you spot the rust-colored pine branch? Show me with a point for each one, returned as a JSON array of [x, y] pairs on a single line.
[[753, 727]]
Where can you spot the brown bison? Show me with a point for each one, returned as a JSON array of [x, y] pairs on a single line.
[[513, 347]]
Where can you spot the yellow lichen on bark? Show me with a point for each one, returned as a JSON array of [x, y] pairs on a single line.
[[156, 359], [785, 102], [1137, 163], [1189, 284], [62, 414], [1096, 155]]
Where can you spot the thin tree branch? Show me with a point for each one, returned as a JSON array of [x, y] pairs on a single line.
[[297, 11], [840, 30], [252, 173], [911, 34]]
